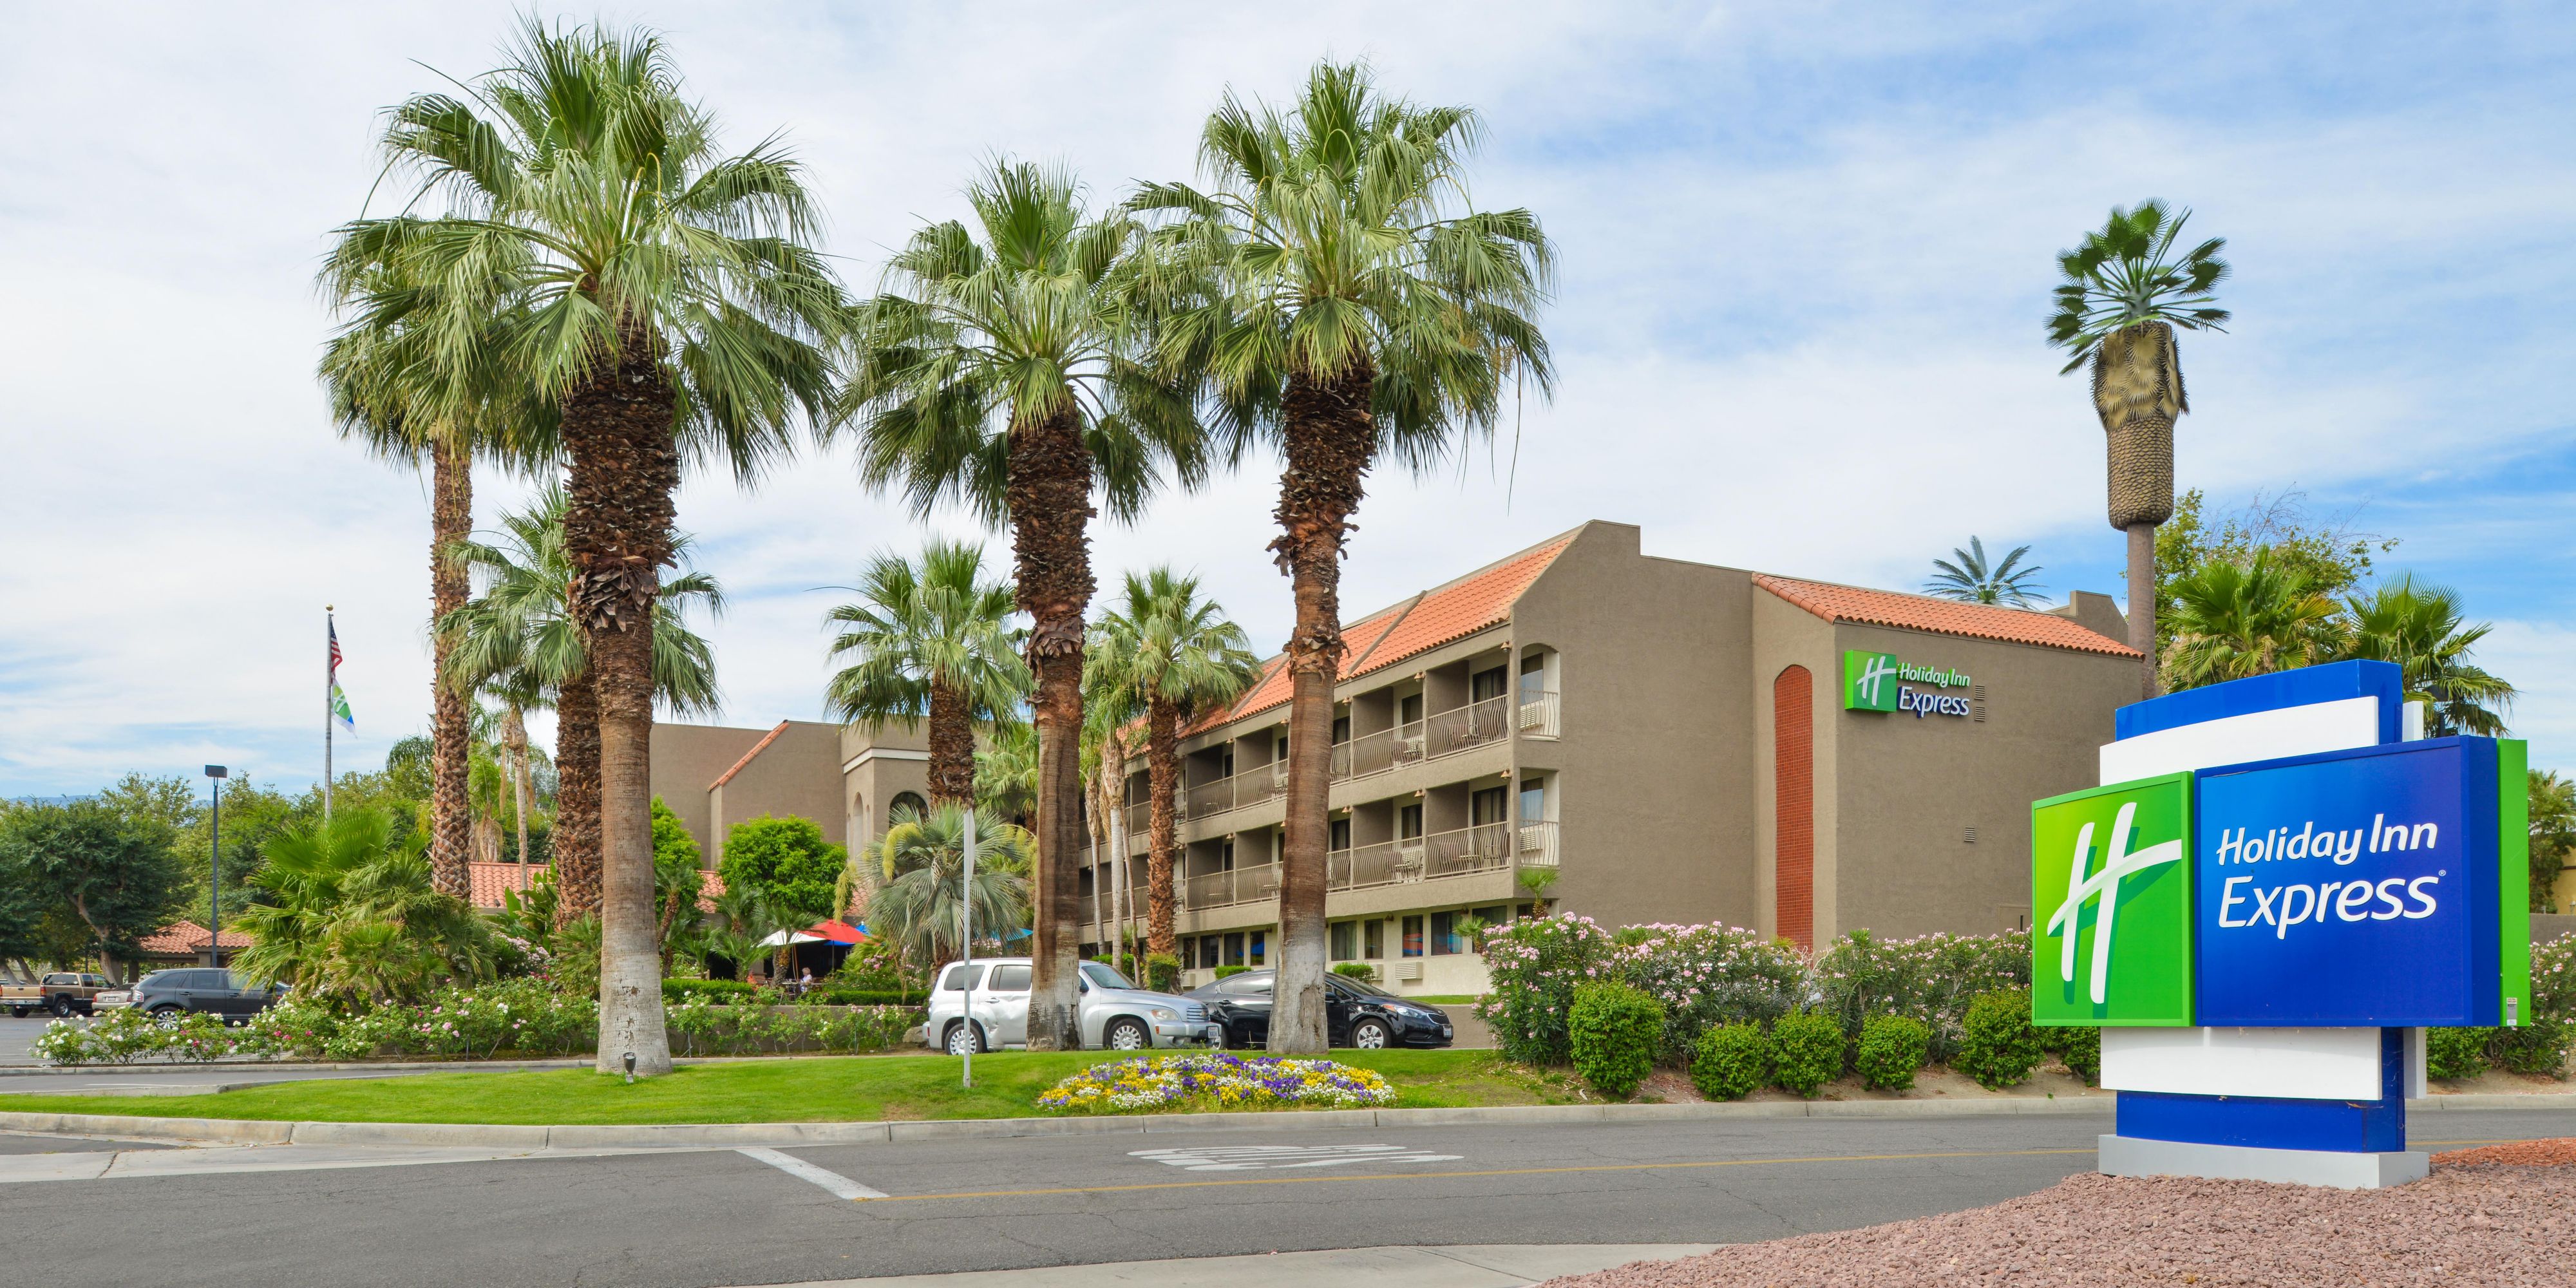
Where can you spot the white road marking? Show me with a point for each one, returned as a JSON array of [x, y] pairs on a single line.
[[833, 1183], [227, 1159], [1250, 1158]]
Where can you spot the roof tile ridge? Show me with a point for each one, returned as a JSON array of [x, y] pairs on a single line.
[[756, 749], [1354, 664]]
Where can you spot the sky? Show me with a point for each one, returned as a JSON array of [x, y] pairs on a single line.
[[1804, 258]]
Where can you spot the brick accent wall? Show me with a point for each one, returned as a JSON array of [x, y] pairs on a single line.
[[1793, 777]]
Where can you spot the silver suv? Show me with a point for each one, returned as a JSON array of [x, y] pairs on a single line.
[[1116, 1015]]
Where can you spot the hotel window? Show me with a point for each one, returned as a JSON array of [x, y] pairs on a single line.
[[1485, 685], [1208, 959], [1448, 938], [1408, 823], [1533, 800], [1487, 806], [1279, 747], [1408, 710], [1373, 940], [907, 803], [1261, 948], [1234, 949], [1346, 941], [1340, 831], [1533, 677], [1413, 936], [1341, 730]]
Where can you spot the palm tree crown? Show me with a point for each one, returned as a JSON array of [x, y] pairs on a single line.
[[2237, 620], [931, 641], [2126, 275], [1970, 580], [1175, 645], [2424, 630]]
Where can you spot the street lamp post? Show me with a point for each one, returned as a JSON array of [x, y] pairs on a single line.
[[215, 883]]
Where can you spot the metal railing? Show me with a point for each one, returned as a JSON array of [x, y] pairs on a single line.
[[1439, 734], [1466, 851], [1538, 715], [1250, 787]]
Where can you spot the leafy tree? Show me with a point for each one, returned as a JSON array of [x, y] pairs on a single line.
[[666, 301], [788, 863], [932, 642], [1361, 307], [922, 905], [2122, 293], [1176, 655], [1971, 581], [676, 880], [2553, 835], [2232, 621], [350, 913], [2423, 630], [111, 874], [1002, 367], [2327, 550]]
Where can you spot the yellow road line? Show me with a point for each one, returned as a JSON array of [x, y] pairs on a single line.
[[1506, 1171]]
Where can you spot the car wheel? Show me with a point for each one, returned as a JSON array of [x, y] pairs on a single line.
[[1127, 1035], [61, 1007], [17, 1012], [1370, 1035], [964, 1039], [166, 1016]]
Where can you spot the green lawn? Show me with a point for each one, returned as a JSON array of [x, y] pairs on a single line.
[[843, 1089]]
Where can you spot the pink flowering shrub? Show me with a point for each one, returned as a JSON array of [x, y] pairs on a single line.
[[1707, 976], [1931, 978], [1536, 963]]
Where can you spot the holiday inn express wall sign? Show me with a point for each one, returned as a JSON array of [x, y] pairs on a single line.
[[2376, 886], [1880, 682]]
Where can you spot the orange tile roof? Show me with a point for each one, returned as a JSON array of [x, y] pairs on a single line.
[[181, 938], [756, 749], [488, 880], [1411, 628], [1940, 616]]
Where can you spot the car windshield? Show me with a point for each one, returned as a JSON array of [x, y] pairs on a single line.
[[1361, 986], [1103, 977]]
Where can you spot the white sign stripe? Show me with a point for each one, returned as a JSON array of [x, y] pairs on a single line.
[[833, 1183]]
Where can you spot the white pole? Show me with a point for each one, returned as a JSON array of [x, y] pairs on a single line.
[[330, 678], [966, 941]]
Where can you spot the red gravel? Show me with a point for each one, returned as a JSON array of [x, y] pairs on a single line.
[[2557, 1151], [2482, 1225]]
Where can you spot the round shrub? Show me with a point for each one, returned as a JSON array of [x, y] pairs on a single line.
[[2456, 1053], [1730, 1061], [1162, 972], [2000, 1046], [2539, 1047], [1807, 1050], [2082, 1051], [1892, 1048], [1614, 1030]]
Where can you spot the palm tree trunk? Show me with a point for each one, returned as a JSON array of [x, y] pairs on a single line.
[[451, 520], [1163, 815], [575, 849], [952, 747], [1049, 500], [1113, 772], [514, 733], [617, 529], [1098, 824], [2142, 605], [1330, 438]]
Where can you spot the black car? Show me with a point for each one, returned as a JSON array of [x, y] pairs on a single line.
[[171, 993], [1356, 1013]]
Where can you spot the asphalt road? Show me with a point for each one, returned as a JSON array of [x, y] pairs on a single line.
[[722, 1217]]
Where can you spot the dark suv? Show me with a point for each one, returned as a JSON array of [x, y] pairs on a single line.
[[213, 991], [1356, 1013]]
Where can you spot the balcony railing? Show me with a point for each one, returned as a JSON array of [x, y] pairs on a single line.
[[1251, 787], [1538, 715], [1440, 734], [1487, 847]]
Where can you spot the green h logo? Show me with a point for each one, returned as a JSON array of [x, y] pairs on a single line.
[[2111, 890], [1869, 681]]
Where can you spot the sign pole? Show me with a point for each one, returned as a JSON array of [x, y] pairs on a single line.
[[966, 943]]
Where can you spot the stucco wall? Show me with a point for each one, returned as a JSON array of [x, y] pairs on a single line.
[[798, 775], [684, 763]]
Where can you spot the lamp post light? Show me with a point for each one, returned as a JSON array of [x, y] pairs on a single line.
[[215, 859]]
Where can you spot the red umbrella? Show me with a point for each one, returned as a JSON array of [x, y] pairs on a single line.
[[839, 932]]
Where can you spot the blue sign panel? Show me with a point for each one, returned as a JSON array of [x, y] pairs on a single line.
[[2350, 888]]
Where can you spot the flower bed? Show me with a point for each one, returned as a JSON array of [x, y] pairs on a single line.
[[1216, 1081]]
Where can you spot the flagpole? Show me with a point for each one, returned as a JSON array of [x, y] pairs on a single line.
[[330, 680]]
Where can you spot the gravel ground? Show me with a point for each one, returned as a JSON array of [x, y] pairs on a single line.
[[2486, 1216]]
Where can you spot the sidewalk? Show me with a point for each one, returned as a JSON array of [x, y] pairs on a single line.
[[1510, 1265]]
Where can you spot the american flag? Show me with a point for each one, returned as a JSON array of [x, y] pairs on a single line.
[[334, 629]]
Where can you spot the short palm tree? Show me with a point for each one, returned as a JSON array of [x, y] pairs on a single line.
[[2237, 620], [344, 911], [2425, 632], [1000, 368], [670, 305], [517, 638], [922, 906], [2123, 292], [1970, 580], [931, 642], [1179, 656], [1362, 307]]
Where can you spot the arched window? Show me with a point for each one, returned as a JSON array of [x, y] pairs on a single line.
[[907, 803], [1793, 786]]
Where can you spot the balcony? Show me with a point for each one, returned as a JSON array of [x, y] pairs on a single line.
[[1538, 715], [1440, 734], [1251, 787], [1465, 851]]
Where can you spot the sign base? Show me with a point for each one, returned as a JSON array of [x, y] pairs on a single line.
[[2135, 1156]]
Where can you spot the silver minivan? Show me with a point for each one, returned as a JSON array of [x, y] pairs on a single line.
[[1116, 1015]]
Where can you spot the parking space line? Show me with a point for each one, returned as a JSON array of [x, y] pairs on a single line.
[[1418, 1177], [833, 1183]]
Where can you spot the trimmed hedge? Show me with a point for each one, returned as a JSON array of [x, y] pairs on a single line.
[[1731, 1061], [2456, 1053], [1224, 971], [1360, 971], [1615, 1030], [1892, 1050], [2080, 1046], [1162, 973], [720, 991], [2000, 1046], [1807, 1051]]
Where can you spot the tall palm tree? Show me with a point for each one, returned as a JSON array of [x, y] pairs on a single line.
[[931, 642], [2424, 630], [672, 307], [2236, 620], [392, 389], [2122, 295], [1970, 579], [519, 640], [1179, 656], [1365, 308], [1001, 368]]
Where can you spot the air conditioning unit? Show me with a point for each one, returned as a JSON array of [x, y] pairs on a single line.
[[1408, 970]]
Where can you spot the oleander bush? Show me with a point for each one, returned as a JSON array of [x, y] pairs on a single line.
[[1807, 1051], [2000, 1046], [1614, 1031], [1707, 976], [1929, 978], [1732, 1061], [2456, 1053], [1536, 963], [1891, 1051], [2079, 1046]]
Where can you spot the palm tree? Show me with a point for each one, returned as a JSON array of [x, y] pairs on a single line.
[[1971, 581], [2422, 629], [1363, 308], [1006, 773], [932, 642], [345, 911], [670, 305], [2236, 620], [923, 861], [392, 389], [2122, 297], [1000, 368], [1109, 708], [518, 639], [1180, 656]]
